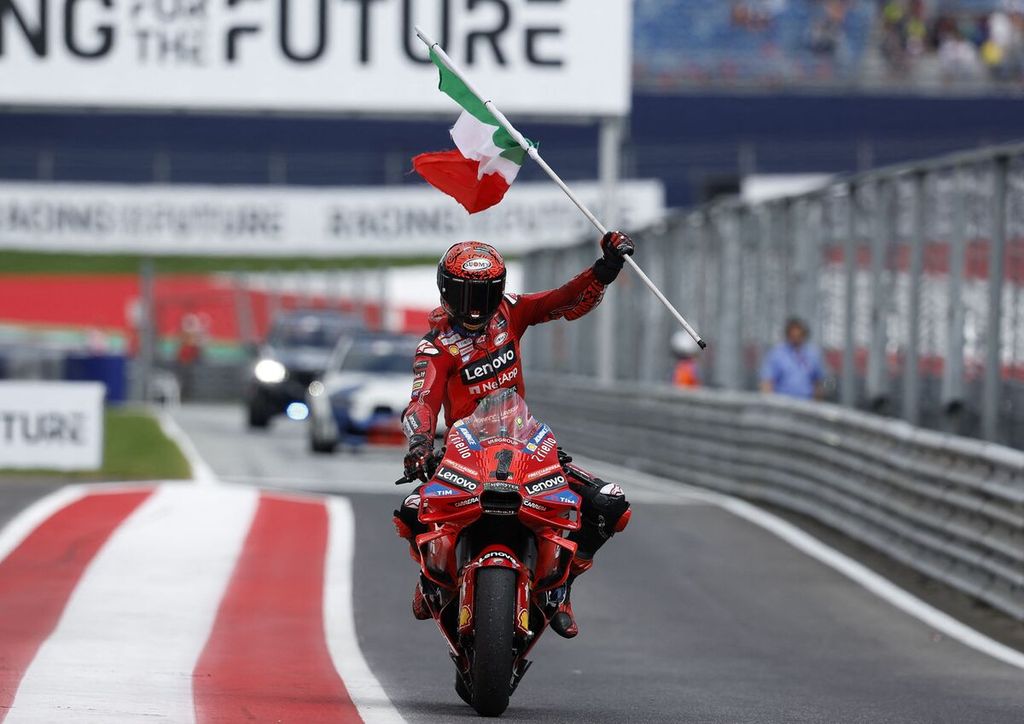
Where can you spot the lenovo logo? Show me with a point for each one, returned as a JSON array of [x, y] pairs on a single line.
[[555, 481], [451, 477], [489, 367]]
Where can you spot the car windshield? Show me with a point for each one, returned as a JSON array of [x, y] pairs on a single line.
[[380, 356], [502, 414], [310, 330]]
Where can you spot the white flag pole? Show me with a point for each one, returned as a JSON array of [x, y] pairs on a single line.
[[535, 155]]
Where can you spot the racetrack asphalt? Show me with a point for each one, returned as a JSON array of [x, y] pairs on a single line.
[[17, 493], [691, 615]]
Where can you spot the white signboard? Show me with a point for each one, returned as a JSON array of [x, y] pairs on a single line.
[[295, 221], [51, 425], [542, 57]]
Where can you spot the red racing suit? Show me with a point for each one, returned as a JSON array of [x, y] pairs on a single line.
[[453, 370]]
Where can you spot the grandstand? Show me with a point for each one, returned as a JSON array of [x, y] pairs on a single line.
[[967, 46], [702, 114], [766, 43]]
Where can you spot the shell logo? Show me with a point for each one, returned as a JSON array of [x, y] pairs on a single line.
[[465, 615], [524, 619]]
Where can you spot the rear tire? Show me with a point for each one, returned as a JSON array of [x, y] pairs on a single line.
[[258, 418], [324, 447], [492, 659]]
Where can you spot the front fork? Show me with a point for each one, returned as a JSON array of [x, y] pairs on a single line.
[[495, 556]]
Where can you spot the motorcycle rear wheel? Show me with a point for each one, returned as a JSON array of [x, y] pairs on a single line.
[[492, 659]]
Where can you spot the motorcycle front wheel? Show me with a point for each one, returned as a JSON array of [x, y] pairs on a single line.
[[492, 658]]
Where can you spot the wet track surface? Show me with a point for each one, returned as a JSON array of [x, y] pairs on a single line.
[[692, 615]]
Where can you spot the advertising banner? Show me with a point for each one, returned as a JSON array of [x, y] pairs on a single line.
[[298, 221], [541, 57], [51, 425]]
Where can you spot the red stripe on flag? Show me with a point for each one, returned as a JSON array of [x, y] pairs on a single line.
[[457, 176], [267, 658], [38, 577]]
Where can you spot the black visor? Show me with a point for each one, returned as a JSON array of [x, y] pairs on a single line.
[[470, 300]]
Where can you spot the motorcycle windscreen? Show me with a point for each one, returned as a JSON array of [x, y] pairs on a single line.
[[502, 414]]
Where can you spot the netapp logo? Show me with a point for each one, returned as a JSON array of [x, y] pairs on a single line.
[[555, 481], [453, 478], [486, 368]]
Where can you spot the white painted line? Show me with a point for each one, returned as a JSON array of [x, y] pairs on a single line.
[[21, 526], [339, 621], [202, 473], [876, 584], [839, 562], [130, 636]]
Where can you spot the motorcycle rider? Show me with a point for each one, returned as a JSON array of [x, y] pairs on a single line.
[[472, 349]]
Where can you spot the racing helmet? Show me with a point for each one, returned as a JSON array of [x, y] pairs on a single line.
[[683, 345], [471, 279]]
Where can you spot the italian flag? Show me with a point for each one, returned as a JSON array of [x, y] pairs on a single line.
[[488, 159]]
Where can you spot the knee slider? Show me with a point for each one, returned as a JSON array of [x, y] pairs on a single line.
[[611, 508]]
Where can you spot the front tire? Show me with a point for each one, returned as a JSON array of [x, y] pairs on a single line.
[[492, 659], [462, 690]]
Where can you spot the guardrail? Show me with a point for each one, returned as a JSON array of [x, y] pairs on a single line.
[[949, 507], [909, 277]]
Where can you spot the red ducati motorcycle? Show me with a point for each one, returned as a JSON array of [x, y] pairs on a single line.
[[496, 558]]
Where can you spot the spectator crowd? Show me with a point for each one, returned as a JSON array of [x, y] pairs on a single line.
[[953, 43], [929, 43]]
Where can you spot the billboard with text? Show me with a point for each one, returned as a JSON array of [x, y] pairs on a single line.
[[545, 57], [296, 221]]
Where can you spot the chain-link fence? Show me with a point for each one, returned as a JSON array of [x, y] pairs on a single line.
[[911, 279]]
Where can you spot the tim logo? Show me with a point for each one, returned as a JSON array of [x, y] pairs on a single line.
[[489, 367]]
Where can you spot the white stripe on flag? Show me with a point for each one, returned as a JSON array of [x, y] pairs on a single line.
[[130, 636], [475, 141], [367, 694]]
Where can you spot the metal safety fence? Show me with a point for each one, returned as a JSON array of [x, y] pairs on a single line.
[[911, 279], [948, 507]]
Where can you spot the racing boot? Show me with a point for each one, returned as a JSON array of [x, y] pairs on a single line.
[[563, 622], [420, 610]]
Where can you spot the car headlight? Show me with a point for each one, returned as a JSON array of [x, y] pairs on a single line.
[[270, 371]]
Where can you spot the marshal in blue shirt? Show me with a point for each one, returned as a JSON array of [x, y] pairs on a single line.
[[793, 370]]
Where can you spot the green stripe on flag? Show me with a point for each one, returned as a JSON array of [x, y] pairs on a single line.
[[454, 87]]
